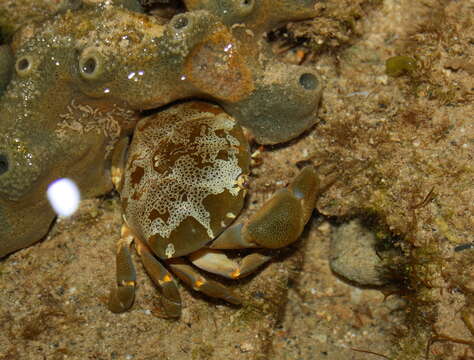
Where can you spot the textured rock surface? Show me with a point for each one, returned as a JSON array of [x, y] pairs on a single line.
[[353, 254]]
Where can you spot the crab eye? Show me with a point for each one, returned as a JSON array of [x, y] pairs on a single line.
[[3, 164], [24, 65], [90, 64]]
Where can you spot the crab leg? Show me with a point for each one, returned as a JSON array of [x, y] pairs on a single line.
[[122, 297], [281, 219], [199, 283], [216, 262], [162, 278], [118, 163]]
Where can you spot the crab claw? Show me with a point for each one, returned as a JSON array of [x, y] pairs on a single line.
[[281, 219]]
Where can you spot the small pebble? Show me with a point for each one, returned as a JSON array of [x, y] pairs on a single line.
[[353, 255]]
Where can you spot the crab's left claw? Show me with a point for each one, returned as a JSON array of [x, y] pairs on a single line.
[[280, 221], [277, 224]]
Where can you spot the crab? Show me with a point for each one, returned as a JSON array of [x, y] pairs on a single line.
[[183, 184], [73, 89]]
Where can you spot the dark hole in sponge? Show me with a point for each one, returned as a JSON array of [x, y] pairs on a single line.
[[180, 22], [309, 81], [89, 66], [23, 64]]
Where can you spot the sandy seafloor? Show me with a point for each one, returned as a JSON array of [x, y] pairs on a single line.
[[391, 139]]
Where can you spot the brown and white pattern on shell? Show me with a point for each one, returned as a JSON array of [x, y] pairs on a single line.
[[192, 158]]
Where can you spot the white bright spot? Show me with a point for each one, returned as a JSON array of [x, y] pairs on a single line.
[[64, 196]]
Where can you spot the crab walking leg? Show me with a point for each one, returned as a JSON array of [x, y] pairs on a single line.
[[162, 278], [121, 298], [216, 262], [192, 278], [281, 219]]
